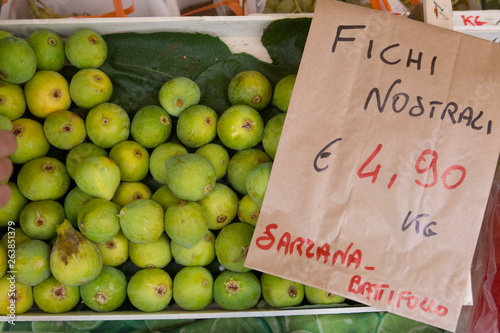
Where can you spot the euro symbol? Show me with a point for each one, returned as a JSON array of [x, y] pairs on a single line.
[[323, 154]]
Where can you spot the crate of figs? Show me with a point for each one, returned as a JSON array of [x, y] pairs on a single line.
[[141, 166]]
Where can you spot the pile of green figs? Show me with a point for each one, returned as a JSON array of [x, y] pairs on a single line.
[[83, 229]]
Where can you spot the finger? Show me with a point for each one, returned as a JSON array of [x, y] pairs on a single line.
[[8, 143], [5, 194], [6, 168]]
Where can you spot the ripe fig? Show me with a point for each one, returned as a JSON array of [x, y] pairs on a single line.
[[158, 157], [240, 127], [132, 159], [85, 48], [218, 155], [90, 87], [98, 220], [250, 88], [241, 164], [201, 254], [142, 221], [12, 101], [115, 251], [151, 126], [231, 246], [64, 129], [52, 296], [248, 210], [47, 92], [193, 288], [74, 259], [130, 191], [155, 254], [165, 197], [150, 289], [73, 202], [221, 206], [106, 292], [17, 60], [279, 292], [319, 296], [197, 126], [190, 176], [257, 180], [178, 94], [98, 176], [283, 92], [32, 262], [49, 50], [272, 134], [12, 210], [186, 223], [237, 291], [15, 297], [107, 124], [39, 219], [79, 152], [31, 141], [43, 178]]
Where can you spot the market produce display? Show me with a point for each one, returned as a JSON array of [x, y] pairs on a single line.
[[138, 180]]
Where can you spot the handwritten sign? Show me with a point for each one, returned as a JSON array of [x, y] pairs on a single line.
[[385, 163]]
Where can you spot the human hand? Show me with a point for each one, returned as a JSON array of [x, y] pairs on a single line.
[[8, 145]]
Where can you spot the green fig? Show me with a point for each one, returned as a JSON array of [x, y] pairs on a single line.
[[130, 191], [85, 48], [142, 221], [31, 140], [4, 34], [74, 259], [186, 223], [155, 254], [49, 50], [221, 206], [193, 288], [39, 219], [250, 88], [272, 134], [201, 254], [283, 92], [73, 202], [107, 124], [47, 92], [3, 260], [12, 101], [32, 262], [231, 246], [79, 152], [98, 176], [15, 298], [248, 210], [132, 159], [279, 292], [240, 127], [190, 176], [150, 289], [178, 94], [106, 292], [115, 251], [52, 296], [17, 60], [165, 197], [158, 157], [43, 178], [14, 238], [151, 126], [197, 126], [12, 210], [64, 129], [241, 164], [237, 291], [90, 87], [257, 180], [319, 296], [98, 221], [218, 155]]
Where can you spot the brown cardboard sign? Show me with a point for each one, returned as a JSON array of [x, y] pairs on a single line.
[[385, 163]]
